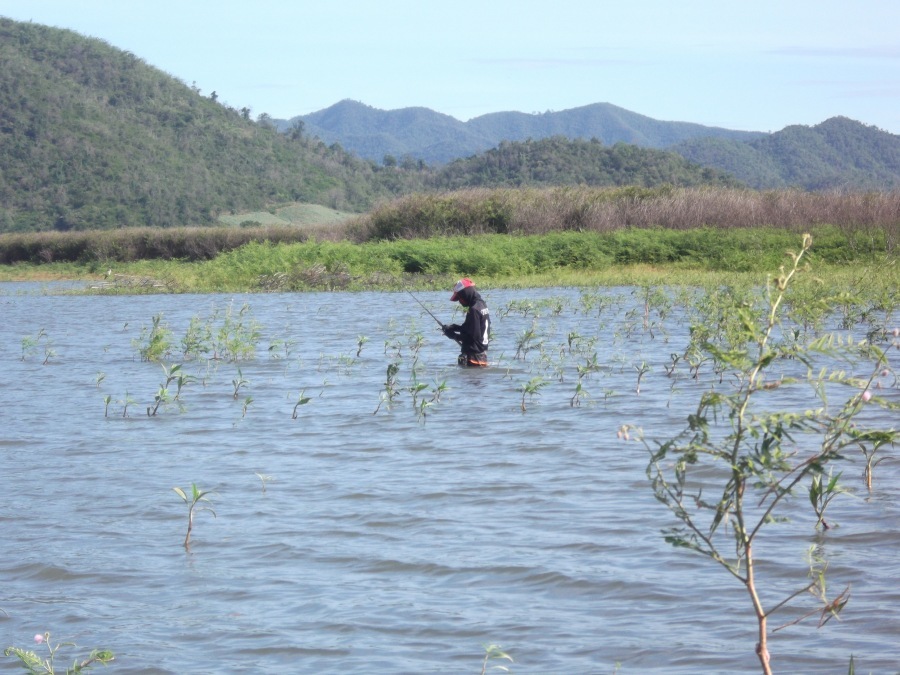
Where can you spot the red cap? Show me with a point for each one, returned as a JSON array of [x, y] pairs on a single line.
[[461, 284]]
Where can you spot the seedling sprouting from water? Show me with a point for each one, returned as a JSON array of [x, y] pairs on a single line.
[[127, 401], [870, 442], [264, 478], [239, 382], [580, 393], [526, 341], [531, 389], [154, 344], [390, 386], [301, 400], [100, 377], [360, 341], [106, 401], [35, 665], [439, 388], [247, 402], [821, 492], [163, 396], [492, 653], [30, 343], [642, 370], [49, 352], [415, 388], [196, 503]]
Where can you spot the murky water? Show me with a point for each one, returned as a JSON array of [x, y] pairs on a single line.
[[402, 541]]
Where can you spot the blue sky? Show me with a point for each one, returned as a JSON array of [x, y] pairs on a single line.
[[758, 66]]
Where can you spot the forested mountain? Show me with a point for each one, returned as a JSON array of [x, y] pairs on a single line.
[[562, 161], [838, 153], [93, 137], [423, 134]]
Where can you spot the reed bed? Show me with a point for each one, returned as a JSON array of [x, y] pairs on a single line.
[[537, 211]]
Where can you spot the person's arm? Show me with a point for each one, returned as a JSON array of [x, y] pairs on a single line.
[[454, 332]]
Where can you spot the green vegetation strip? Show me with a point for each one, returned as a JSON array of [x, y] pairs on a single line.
[[630, 256]]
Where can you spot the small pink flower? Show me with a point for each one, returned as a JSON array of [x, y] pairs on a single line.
[[866, 395], [38, 639], [897, 332], [885, 372]]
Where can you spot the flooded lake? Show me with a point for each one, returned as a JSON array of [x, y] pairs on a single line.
[[352, 533]]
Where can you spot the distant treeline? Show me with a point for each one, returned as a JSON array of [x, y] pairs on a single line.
[[869, 222]]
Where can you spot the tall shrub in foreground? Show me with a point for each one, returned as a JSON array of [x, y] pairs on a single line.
[[765, 460]]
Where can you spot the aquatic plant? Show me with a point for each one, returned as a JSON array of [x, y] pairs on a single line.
[[196, 503], [37, 665], [642, 370], [127, 401], [579, 394], [163, 396], [264, 478], [531, 389], [237, 336], [301, 400], [238, 382], [360, 341], [30, 343], [527, 340], [390, 391], [492, 653], [822, 492], [49, 352], [197, 339], [762, 467], [155, 343]]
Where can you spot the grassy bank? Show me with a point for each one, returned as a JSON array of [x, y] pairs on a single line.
[[623, 257], [869, 223]]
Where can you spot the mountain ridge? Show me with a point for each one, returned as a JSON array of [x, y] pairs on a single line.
[[837, 153], [373, 133]]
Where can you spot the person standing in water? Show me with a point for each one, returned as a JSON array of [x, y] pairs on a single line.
[[474, 333]]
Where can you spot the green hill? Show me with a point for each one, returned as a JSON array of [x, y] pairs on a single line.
[[561, 161], [838, 153], [91, 137]]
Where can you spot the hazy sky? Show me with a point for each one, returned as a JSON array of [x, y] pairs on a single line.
[[757, 66]]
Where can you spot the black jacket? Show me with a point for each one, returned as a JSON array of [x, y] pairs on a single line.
[[474, 333]]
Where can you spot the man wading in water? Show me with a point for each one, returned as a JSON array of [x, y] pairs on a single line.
[[474, 332]]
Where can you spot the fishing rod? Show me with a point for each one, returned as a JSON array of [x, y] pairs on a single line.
[[440, 323], [454, 338]]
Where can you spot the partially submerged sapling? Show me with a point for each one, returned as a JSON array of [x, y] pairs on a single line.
[[758, 471], [390, 386], [531, 389], [195, 504], [264, 478], [491, 653], [238, 382], [29, 344], [360, 341], [642, 370], [35, 665], [301, 400]]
